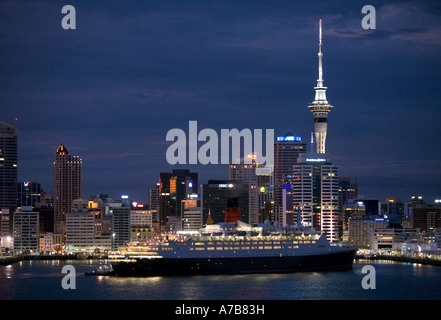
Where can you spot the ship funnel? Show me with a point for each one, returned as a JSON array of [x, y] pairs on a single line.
[[232, 214]]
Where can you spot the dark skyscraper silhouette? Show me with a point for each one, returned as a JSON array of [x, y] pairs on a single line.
[[8, 165]]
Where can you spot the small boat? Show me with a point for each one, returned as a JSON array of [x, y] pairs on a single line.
[[101, 271]]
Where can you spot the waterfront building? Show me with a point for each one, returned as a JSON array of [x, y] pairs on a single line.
[[84, 233], [120, 226], [6, 234], [359, 228], [26, 230], [8, 166], [215, 195], [67, 185], [392, 238], [50, 242]]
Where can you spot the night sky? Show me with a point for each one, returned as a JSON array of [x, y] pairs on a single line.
[[111, 89]]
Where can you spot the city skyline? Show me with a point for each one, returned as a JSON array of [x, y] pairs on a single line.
[[111, 89]]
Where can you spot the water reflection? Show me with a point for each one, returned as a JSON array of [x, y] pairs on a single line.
[[42, 280]]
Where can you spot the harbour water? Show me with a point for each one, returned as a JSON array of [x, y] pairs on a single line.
[[42, 280]]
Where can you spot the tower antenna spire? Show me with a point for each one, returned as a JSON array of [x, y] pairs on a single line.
[[320, 56]]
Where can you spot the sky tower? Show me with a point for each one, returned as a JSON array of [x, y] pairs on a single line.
[[320, 106]]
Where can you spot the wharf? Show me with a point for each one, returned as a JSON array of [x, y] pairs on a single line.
[[425, 261]]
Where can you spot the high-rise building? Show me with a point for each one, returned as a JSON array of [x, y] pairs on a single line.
[[346, 190], [314, 177], [67, 185], [173, 188], [315, 188], [247, 174], [191, 215], [320, 106], [287, 150], [26, 230], [84, 231], [215, 195], [8, 165], [141, 222], [426, 218], [121, 226], [154, 198], [28, 193]]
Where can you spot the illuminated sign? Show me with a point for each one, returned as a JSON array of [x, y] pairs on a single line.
[[289, 138], [316, 159], [26, 184], [226, 185], [124, 196], [190, 184]]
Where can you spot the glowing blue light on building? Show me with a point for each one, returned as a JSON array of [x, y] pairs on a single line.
[[289, 138]]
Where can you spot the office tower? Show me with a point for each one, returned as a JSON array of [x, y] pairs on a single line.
[[315, 187], [46, 209], [359, 229], [393, 207], [191, 215], [154, 198], [8, 166], [320, 106], [247, 174], [426, 218], [141, 222], [84, 232], [346, 190], [215, 195], [154, 202], [28, 193], [26, 230], [287, 150], [120, 226], [67, 185], [173, 188], [6, 228]]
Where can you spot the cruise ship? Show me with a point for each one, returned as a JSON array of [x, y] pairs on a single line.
[[234, 248]]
